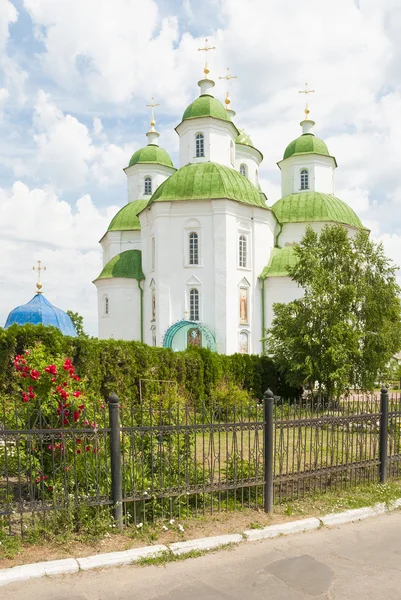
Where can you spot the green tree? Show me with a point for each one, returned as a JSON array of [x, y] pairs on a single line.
[[78, 322], [347, 326]]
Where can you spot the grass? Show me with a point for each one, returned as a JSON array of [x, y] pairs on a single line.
[[51, 544]]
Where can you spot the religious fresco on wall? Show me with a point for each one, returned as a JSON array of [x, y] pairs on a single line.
[[243, 343], [194, 337], [243, 306]]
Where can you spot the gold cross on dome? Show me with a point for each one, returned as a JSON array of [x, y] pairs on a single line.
[[39, 268], [152, 106], [206, 49], [227, 77], [306, 91]]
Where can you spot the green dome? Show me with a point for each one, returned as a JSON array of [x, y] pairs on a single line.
[[243, 138], [308, 207], [151, 154], [127, 218], [280, 259], [206, 106], [307, 143], [208, 181], [128, 265]]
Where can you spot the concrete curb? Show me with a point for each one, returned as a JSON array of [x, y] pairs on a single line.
[[283, 529], [206, 544], [127, 557]]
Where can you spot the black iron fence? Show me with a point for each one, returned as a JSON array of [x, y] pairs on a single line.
[[168, 457]]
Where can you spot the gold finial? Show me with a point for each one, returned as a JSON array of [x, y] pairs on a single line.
[[152, 106], [39, 268], [306, 91], [227, 77], [206, 49]]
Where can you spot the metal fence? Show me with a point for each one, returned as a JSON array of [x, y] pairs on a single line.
[[170, 457]]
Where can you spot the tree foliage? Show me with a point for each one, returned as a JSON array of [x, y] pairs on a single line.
[[78, 322], [347, 326]]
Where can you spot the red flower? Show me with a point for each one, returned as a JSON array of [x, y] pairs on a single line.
[[23, 375], [79, 442], [77, 415], [34, 374], [51, 369], [25, 397], [86, 422], [81, 406], [68, 364], [50, 488], [65, 421], [71, 371], [76, 394], [87, 448], [76, 378], [79, 451]]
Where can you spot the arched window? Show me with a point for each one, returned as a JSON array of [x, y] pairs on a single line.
[[242, 170], [153, 253], [256, 178], [148, 186], [153, 336], [232, 152], [193, 248], [242, 251], [304, 179], [199, 145], [106, 305], [194, 305]]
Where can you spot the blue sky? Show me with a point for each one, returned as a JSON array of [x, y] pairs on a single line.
[[75, 77]]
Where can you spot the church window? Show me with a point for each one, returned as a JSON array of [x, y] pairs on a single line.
[[153, 336], [106, 305], [242, 170], [304, 179], [193, 248], [194, 305], [242, 251], [148, 186], [200, 145], [153, 253], [232, 153], [256, 178]]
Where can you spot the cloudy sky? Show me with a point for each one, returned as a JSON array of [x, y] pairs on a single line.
[[75, 76]]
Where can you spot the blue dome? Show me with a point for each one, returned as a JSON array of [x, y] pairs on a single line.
[[39, 311]]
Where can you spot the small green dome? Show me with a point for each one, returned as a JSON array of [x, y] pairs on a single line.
[[151, 153], [127, 265], [208, 181], [127, 217], [206, 106], [280, 259], [314, 207], [243, 138], [307, 143]]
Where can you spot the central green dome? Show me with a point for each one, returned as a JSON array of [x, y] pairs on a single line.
[[206, 106], [151, 153], [208, 181], [127, 265], [314, 207], [307, 143], [127, 217]]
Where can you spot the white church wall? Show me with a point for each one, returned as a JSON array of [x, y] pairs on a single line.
[[218, 136], [121, 319], [136, 179], [115, 242], [320, 170], [248, 156], [279, 289], [294, 232]]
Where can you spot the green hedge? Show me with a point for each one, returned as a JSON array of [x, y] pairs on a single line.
[[117, 366]]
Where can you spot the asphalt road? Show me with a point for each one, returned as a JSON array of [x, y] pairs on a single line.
[[355, 561]]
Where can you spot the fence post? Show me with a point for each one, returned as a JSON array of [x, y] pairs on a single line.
[[268, 433], [383, 433], [115, 455]]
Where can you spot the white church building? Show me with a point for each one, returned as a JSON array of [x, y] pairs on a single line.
[[196, 256]]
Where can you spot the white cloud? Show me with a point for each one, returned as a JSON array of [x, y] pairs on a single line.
[[64, 238]]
